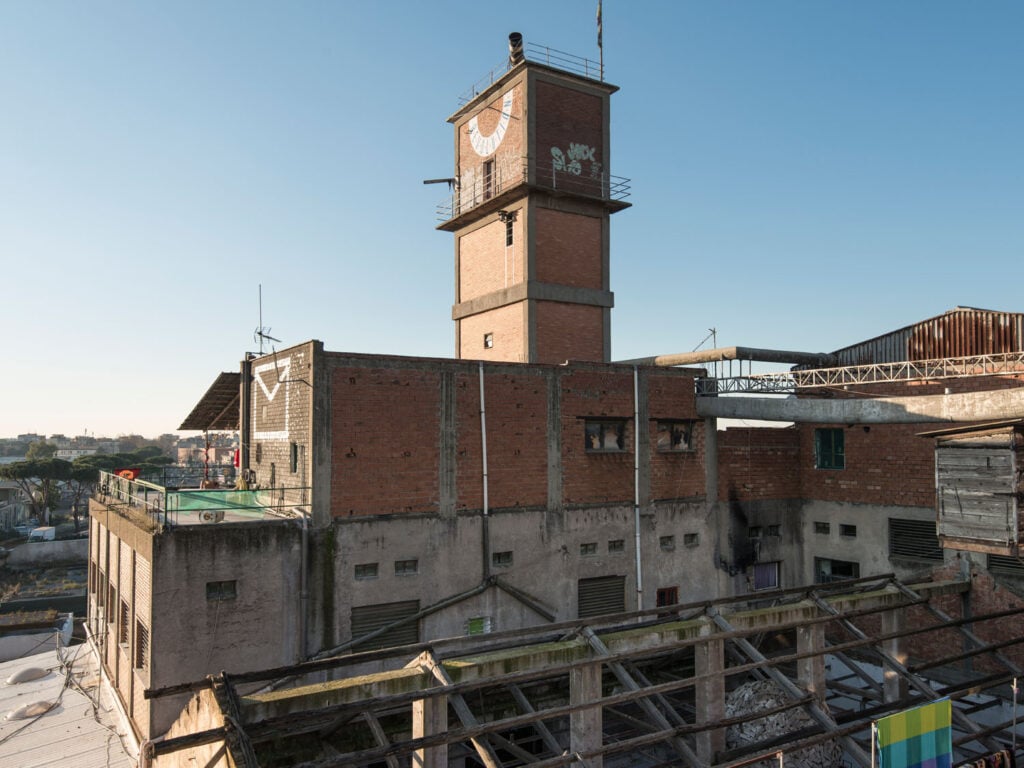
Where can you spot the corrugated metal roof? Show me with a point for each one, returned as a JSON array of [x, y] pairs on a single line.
[[70, 735], [219, 407], [960, 332]]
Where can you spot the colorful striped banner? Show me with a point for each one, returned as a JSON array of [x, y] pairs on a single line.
[[918, 738]]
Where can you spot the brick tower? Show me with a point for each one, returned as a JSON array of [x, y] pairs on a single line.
[[530, 213]]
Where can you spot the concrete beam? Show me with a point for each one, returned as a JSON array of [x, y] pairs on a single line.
[[993, 405]]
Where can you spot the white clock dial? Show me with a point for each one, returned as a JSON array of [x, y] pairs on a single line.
[[485, 145]]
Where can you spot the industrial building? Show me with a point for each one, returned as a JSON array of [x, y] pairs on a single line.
[[571, 543]]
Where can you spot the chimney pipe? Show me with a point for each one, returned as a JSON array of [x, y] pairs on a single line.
[[515, 48]]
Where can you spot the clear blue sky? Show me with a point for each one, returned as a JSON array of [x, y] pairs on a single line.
[[806, 174]]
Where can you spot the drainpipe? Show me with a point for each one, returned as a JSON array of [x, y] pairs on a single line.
[[485, 534], [636, 489], [303, 588]]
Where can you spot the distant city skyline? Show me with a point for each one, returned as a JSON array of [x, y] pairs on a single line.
[[805, 175]]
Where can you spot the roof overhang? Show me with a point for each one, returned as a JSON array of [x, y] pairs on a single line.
[[219, 407]]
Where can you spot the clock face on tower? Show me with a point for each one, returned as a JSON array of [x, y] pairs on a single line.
[[485, 145]]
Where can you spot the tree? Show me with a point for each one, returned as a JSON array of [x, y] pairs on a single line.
[[37, 479], [40, 449]]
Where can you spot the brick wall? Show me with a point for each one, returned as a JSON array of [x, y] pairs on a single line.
[[517, 466], [568, 249], [589, 477], [508, 331], [568, 332], [566, 116], [486, 263], [282, 412], [758, 463], [385, 426], [390, 429], [885, 463]]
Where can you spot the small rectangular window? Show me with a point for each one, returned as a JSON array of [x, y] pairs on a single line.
[[112, 603], [479, 625], [667, 543], [829, 449], [691, 539], [849, 531], [293, 458], [259, 453], [766, 575], [667, 596], [914, 538], [826, 570], [406, 567], [607, 435], [822, 527], [616, 545], [773, 530], [675, 435], [366, 571], [588, 549], [509, 232], [221, 590], [501, 559], [488, 341], [754, 532]]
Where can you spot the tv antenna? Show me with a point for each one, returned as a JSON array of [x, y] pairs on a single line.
[[262, 332]]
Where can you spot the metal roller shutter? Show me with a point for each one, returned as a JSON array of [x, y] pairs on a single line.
[[369, 618], [605, 594]]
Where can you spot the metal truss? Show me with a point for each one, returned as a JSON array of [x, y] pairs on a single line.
[[788, 382]]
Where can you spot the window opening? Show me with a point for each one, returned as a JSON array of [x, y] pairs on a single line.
[[826, 570], [667, 596], [366, 571], [773, 530], [501, 559], [914, 538], [829, 449], [605, 435], [221, 590], [406, 567], [766, 575], [754, 532], [616, 545], [667, 543], [488, 341], [822, 527], [588, 549], [488, 179], [141, 645], [847, 530], [691, 539], [479, 625], [675, 435]]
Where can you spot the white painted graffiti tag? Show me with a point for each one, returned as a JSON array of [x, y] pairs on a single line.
[[572, 160]]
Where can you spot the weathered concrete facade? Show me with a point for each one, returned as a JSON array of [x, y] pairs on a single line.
[[166, 604]]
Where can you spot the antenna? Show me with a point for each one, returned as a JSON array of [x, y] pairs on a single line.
[[261, 331]]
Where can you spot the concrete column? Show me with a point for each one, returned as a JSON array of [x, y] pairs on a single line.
[[710, 661], [585, 724], [811, 671], [894, 687], [430, 717]]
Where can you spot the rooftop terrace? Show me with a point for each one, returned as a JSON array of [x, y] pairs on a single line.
[[185, 496]]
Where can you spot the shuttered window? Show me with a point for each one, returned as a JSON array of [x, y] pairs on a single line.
[[914, 538], [369, 618], [605, 594]]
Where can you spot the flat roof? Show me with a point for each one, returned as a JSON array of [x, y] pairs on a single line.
[[82, 730]]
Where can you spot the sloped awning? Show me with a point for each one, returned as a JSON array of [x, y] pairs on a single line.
[[219, 408]]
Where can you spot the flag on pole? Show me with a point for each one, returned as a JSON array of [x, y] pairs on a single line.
[[917, 738], [599, 30]]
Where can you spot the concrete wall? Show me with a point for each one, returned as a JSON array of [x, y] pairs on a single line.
[[199, 599], [43, 554]]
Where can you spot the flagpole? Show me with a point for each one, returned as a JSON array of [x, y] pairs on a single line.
[[600, 36]]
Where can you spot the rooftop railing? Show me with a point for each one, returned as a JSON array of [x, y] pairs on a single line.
[[542, 54], [171, 505], [561, 173]]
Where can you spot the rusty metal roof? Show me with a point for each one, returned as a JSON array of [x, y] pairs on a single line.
[[219, 407], [959, 332]]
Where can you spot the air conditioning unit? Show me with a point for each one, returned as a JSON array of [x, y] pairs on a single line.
[[211, 516]]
